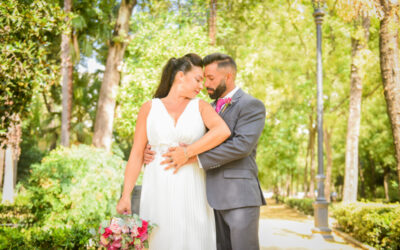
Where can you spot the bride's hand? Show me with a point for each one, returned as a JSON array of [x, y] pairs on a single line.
[[124, 205], [177, 158]]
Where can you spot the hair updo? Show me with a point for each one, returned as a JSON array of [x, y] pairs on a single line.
[[173, 66]]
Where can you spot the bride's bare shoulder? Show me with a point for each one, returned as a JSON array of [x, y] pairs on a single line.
[[145, 108]]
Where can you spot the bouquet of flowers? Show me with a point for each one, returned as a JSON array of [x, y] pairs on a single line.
[[125, 232]]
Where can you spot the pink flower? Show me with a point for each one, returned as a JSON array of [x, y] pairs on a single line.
[[115, 226], [107, 232], [134, 231], [144, 237], [117, 236], [125, 229], [104, 241], [142, 230], [116, 244]]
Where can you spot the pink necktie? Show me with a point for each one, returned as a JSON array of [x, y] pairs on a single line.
[[220, 103]]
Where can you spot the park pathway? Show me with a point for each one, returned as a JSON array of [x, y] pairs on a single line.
[[285, 228]]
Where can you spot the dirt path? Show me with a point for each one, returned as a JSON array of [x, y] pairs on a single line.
[[285, 228]]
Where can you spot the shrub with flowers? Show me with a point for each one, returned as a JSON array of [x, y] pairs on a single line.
[[125, 232]]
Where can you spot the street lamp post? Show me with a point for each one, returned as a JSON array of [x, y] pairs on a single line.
[[321, 225]]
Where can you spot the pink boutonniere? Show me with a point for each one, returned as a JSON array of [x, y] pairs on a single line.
[[227, 103]]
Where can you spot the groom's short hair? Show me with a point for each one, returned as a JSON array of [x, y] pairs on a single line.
[[222, 60]]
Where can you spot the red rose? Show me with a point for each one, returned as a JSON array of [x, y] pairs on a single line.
[[144, 237], [107, 233], [142, 230]]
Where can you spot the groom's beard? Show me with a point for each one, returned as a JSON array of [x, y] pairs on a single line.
[[221, 88]]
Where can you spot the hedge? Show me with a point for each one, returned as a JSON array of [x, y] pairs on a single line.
[[76, 237], [16, 214], [303, 205], [375, 224]]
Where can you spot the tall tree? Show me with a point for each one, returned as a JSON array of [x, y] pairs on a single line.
[[386, 178], [390, 69], [66, 77], [106, 106], [358, 44], [2, 158], [212, 22]]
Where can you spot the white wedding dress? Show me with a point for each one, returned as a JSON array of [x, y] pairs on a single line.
[[177, 203]]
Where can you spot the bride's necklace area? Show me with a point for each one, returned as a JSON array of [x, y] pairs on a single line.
[[175, 110]]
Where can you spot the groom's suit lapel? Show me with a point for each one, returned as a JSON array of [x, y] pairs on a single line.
[[234, 101]]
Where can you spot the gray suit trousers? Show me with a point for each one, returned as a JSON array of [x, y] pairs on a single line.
[[237, 229]]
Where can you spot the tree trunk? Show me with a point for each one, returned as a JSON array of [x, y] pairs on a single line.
[[8, 188], [328, 150], [287, 186], [386, 178], [66, 79], [106, 107], [312, 131], [2, 159], [390, 70], [353, 123], [212, 22], [373, 177], [362, 180]]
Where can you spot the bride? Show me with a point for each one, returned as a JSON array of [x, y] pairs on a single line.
[[175, 200]]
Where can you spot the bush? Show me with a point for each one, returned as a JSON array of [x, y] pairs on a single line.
[[375, 224], [279, 198], [303, 205], [77, 185], [16, 214], [76, 237]]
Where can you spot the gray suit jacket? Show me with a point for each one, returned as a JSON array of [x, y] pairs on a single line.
[[231, 169]]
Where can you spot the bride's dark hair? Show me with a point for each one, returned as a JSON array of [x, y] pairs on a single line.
[[173, 66]]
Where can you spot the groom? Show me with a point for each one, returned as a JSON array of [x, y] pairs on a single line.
[[233, 188]]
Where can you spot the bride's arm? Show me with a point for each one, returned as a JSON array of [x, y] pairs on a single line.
[[217, 133], [135, 161]]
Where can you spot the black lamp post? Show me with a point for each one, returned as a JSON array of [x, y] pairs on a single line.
[[321, 225]]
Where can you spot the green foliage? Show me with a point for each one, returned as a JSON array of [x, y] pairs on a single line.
[[77, 185], [25, 61], [303, 205], [85, 96], [156, 38], [75, 237], [30, 154], [373, 223], [16, 215]]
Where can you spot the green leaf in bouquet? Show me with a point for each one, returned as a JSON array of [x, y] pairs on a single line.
[[105, 223], [137, 220], [124, 243], [137, 242]]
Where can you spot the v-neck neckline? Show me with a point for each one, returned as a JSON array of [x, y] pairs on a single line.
[[175, 122]]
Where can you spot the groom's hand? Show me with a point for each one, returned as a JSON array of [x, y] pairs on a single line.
[[148, 155], [174, 158]]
